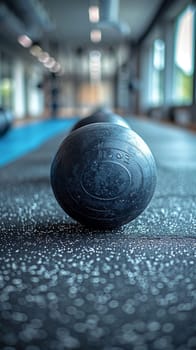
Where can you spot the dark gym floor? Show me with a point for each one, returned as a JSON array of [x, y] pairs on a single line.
[[65, 287]]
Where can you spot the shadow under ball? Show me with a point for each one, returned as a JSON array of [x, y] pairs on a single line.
[[103, 175]]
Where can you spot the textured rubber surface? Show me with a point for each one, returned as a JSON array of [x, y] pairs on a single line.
[[63, 286], [103, 175], [102, 117]]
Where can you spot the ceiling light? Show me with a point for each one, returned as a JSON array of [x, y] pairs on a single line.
[[51, 63], [95, 55], [35, 50], [95, 35], [44, 57], [93, 14], [56, 68], [24, 40], [95, 65]]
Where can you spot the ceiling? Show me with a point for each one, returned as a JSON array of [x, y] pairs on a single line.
[[72, 26], [66, 22], [59, 26]]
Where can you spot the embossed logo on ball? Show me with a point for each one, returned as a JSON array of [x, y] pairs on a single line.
[[106, 177]]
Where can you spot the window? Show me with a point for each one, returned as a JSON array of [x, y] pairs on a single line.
[[157, 76], [183, 58], [6, 82]]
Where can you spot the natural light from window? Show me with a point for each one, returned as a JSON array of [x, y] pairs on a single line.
[[183, 58]]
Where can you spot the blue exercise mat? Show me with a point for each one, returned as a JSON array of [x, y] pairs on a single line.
[[21, 140]]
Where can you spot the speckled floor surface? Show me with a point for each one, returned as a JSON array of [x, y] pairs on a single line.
[[65, 287]]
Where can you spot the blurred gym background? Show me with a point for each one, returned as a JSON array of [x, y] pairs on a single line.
[[64, 286], [62, 58]]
